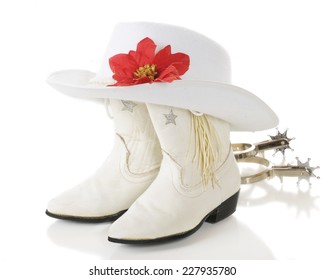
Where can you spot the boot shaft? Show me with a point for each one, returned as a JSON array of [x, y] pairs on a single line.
[[133, 125], [198, 144]]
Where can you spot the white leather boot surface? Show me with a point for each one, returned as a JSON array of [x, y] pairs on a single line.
[[128, 171], [177, 202]]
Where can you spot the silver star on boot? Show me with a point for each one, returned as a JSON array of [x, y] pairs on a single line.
[[170, 118], [128, 105]]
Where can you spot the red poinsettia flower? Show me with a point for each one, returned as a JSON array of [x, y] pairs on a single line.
[[145, 66]]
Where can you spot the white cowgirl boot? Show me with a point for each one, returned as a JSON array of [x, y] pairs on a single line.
[[128, 171], [198, 180]]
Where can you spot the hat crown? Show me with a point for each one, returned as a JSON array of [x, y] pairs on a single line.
[[208, 60]]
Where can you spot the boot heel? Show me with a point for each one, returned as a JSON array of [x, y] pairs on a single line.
[[224, 210]]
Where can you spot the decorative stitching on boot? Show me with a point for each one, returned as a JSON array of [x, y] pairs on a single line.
[[125, 171], [197, 188]]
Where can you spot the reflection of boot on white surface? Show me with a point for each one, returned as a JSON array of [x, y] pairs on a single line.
[[198, 180], [128, 171]]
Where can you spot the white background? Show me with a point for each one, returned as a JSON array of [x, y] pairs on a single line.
[[50, 142]]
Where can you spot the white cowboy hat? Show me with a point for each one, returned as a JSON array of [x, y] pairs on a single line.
[[204, 88]]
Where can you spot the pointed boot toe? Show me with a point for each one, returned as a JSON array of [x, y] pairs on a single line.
[[128, 171], [164, 213], [78, 204]]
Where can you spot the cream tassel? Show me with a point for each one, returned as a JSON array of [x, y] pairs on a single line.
[[207, 149]]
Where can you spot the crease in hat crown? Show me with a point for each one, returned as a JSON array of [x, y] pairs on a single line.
[[206, 86]]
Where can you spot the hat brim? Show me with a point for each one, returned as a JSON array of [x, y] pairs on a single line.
[[241, 109]]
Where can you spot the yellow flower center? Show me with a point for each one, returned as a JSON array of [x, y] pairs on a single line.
[[146, 71]]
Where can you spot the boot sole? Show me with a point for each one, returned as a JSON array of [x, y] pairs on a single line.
[[101, 219], [224, 210]]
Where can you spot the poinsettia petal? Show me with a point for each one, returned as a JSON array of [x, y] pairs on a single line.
[[123, 82], [168, 75], [181, 62], [119, 77], [121, 61], [162, 58], [143, 80], [145, 52], [123, 66]]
